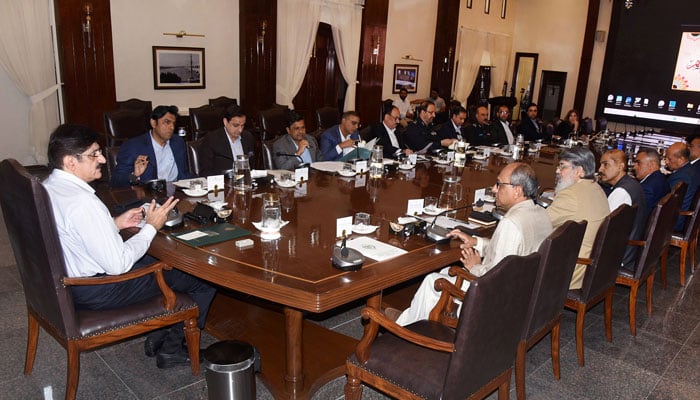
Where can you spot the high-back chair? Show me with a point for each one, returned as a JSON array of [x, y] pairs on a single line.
[[654, 248], [430, 360], [123, 124], [601, 271], [688, 239], [37, 249], [558, 254], [223, 102], [204, 119], [145, 107], [273, 122], [327, 117], [193, 155]]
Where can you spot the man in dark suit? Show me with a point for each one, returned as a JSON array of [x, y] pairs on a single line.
[[453, 128], [340, 139], [677, 161], [500, 130], [646, 168], [419, 134], [296, 146], [694, 147], [479, 133], [392, 142], [156, 154], [530, 127], [220, 147]]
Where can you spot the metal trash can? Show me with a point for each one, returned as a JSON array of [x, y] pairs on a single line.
[[230, 370]]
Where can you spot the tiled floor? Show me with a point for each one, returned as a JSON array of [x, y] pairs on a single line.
[[661, 362]]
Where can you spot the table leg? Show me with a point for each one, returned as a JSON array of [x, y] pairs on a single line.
[[294, 374]]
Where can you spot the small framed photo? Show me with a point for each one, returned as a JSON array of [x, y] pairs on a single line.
[[178, 68], [405, 76]]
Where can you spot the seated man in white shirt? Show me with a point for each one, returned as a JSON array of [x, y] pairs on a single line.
[[404, 105], [92, 245], [520, 232], [386, 132]]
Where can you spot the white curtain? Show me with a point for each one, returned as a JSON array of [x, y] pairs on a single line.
[[297, 24], [474, 44], [345, 19], [27, 56]]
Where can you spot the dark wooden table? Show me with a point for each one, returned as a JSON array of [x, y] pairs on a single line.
[[267, 289]]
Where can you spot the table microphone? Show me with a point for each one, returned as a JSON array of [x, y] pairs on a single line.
[[345, 258], [438, 234]]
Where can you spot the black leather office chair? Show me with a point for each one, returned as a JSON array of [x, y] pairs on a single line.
[[123, 124]]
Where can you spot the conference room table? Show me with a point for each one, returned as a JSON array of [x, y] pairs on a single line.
[[270, 290]]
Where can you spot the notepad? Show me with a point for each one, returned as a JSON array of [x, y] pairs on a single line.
[[210, 234]]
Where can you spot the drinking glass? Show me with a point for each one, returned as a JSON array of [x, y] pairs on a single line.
[[430, 203], [362, 219]]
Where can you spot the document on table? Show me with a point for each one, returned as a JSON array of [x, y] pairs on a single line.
[[374, 249]]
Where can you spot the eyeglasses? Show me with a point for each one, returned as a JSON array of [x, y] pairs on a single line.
[[95, 154], [504, 112], [563, 166], [499, 183]]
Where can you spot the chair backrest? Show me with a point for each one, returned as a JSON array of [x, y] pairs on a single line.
[[273, 122], [489, 327], [658, 233], [607, 252], [601, 124], [268, 162], [143, 106], [558, 254], [110, 154], [327, 117], [36, 246], [366, 133], [123, 124], [693, 222], [587, 127], [204, 119], [193, 155], [223, 102]]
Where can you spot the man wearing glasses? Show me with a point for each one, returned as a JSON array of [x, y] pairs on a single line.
[[578, 197], [453, 128], [647, 165], [677, 161], [520, 232], [392, 142], [500, 130], [92, 245]]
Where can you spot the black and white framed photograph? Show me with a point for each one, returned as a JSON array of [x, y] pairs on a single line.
[[178, 68], [405, 76]]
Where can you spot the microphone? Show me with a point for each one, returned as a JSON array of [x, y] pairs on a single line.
[[345, 258], [438, 234], [280, 154]]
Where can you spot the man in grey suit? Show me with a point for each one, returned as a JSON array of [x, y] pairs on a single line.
[[296, 146]]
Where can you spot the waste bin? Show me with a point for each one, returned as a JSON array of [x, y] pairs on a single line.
[[230, 370]]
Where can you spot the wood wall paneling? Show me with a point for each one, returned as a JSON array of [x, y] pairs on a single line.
[[444, 47], [87, 64], [258, 43], [371, 69], [584, 68]]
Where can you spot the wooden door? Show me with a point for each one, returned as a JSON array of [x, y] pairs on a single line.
[[368, 97], [324, 84], [444, 48], [87, 63]]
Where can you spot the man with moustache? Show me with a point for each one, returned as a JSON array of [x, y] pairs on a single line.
[[219, 148], [530, 127], [296, 146], [647, 166], [694, 148], [520, 232], [578, 197], [156, 154], [500, 130], [453, 128], [339, 140], [92, 245], [420, 137], [403, 104], [677, 161], [392, 142], [479, 133], [624, 190]]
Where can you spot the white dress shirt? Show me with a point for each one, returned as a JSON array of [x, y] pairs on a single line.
[[392, 136], [89, 237], [236, 146], [509, 134], [165, 161]]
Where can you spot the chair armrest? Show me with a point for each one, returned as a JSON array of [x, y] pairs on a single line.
[[640, 243], [584, 261], [155, 268], [461, 272], [687, 213], [444, 309], [376, 319]]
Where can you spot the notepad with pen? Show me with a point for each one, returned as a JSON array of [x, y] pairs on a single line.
[[212, 234], [483, 218]]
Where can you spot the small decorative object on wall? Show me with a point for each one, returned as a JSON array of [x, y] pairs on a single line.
[[503, 8], [469, 3], [487, 6], [405, 76], [178, 68]]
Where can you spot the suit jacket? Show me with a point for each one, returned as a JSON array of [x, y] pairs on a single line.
[[530, 132], [285, 145], [142, 145], [498, 133], [418, 136], [685, 174], [655, 187], [480, 135], [447, 131], [379, 131], [215, 153], [584, 200], [331, 138]]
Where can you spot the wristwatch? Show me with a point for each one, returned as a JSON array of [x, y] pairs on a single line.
[[133, 179]]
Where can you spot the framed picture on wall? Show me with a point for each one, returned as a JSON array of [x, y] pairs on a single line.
[[178, 68], [405, 76]]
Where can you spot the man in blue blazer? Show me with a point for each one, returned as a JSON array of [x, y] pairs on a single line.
[[646, 168], [156, 154], [339, 140], [694, 147], [677, 161]]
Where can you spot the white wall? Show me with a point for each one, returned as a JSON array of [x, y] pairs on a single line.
[[138, 25], [410, 30]]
